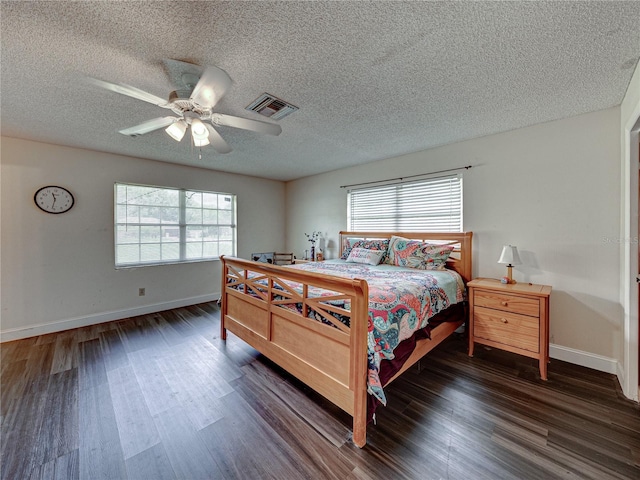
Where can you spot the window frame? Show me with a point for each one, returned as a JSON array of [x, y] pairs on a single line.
[[181, 225], [392, 206]]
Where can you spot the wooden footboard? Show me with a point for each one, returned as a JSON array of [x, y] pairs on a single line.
[[329, 357], [260, 306]]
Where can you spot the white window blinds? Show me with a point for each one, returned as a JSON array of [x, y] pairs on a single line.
[[431, 205]]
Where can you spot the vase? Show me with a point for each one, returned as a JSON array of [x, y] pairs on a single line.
[[313, 252]]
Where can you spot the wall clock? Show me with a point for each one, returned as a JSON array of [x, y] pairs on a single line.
[[52, 199]]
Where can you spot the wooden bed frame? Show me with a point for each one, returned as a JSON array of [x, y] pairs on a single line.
[[330, 359]]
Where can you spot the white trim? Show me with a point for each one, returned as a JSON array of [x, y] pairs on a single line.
[[629, 375], [44, 328], [584, 359], [620, 375]]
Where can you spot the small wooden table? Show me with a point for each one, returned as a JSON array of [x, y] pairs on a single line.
[[512, 317]]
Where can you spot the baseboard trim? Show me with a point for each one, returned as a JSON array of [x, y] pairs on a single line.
[[44, 328], [571, 355], [584, 359]]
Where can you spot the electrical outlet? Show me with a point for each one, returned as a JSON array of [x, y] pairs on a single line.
[[141, 292]]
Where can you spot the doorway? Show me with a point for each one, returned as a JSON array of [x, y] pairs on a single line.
[[630, 378]]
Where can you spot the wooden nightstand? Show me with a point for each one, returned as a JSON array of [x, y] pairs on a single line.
[[512, 317]]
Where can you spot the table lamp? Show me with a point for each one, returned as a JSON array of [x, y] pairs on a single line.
[[510, 257]]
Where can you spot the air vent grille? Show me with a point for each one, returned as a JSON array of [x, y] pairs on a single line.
[[271, 107]]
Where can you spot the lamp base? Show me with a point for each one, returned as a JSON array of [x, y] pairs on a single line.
[[509, 277]]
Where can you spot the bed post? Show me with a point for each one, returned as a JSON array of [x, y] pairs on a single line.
[[466, 247], [223, 301], [359, 332]]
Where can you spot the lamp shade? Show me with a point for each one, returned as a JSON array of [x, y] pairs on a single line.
[[200, 142], [510, 255], [199, 133], [177, 129], [198, 129]]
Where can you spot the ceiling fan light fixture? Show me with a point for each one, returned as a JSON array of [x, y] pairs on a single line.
[[200, 142], [199, 133], [198, 129], [177, 130]]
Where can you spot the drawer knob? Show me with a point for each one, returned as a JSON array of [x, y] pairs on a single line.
[[504, 303], [504, 320]]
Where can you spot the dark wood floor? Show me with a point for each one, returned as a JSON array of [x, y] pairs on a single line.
[[160, 396]]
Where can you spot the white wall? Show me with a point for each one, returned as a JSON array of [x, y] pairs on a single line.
[[58, 270], [551, 189]]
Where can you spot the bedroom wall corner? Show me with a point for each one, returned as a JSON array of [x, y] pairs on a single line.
[[552, 189], [58, 270]]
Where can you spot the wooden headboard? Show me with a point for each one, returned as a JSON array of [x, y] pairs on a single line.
[[460, 259]]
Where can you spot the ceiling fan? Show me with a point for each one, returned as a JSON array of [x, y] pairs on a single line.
[[199, 91]]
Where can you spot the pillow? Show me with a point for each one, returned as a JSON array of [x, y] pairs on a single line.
[[362, 255], [389, 259], [381, 245], [416, 254], [347, 245]]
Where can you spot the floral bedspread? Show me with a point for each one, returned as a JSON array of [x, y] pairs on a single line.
[[401, 301]]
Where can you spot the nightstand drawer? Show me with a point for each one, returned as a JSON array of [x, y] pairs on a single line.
[[520, 331], [507, 302]]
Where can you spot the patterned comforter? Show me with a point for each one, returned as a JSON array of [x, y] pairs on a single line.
[[401, 301]]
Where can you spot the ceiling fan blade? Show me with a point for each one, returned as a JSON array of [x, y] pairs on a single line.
[[246, 124], [130, 91], [149, 126], [211, 87], [217, 141], [181, 74]]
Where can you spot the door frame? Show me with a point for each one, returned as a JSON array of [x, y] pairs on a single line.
[[628, 371]]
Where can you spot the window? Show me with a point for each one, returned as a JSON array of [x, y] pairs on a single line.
[[156, 225], [432, 205]]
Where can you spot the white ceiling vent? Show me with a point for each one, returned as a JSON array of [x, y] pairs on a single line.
[[271, 107]]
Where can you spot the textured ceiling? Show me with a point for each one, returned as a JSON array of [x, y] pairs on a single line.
[[372, 79]]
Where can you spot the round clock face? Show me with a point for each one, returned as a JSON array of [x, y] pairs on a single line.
[[53, 199]]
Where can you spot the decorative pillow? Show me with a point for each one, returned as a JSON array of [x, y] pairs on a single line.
[[416, 254], [389, 259], [347, 245], [362, 255], [381, 245]]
